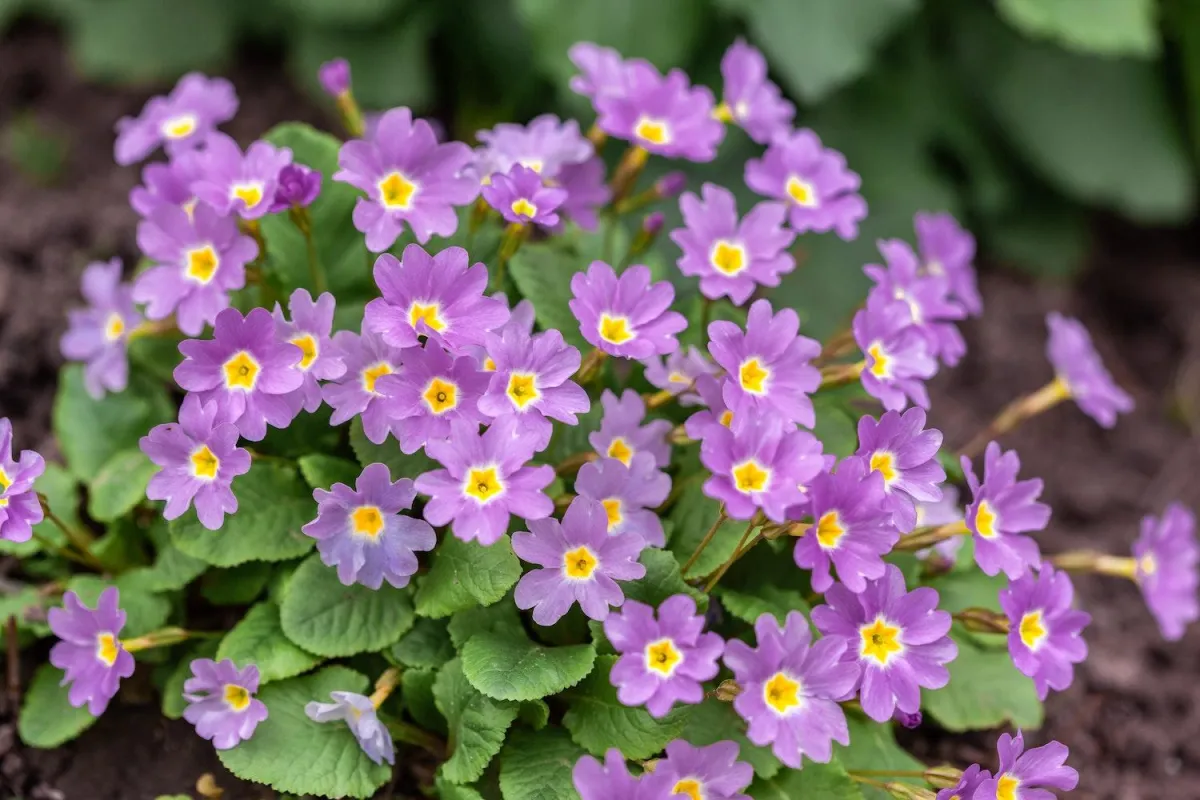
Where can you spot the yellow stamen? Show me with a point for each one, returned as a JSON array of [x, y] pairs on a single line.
[[801, 192], [652, 131], [205, 464], [114, 328], [1033, 629], [202, 263], [689, 788], [483, 484], [367, 521], [880, 640], [663, 657], [522, 389], [534, 164], [236, 697], [427, 313], [396, 192], [523, 208], [884, 463], [781, 693], [249, 193], [308, 350], [489, 365], [753, 376], [1006, 788], [615, 329], [374, 373], [728, 258], [580, 563], [108, 647], [750, 476], [441, 396], [620, 450], [881, 362], [986, 520], [726, 418], [612, 507], [179, 127], [241, 372], [830, 530]]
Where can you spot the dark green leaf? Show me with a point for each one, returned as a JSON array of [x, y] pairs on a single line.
[[120, 485], [47, 720], [322, 471], [466, 574], [506, 667], [662, 580], [477, 724], [713, 721], [259, 639], [1100, 27], [537, 766], [826, 781], [427, 645]]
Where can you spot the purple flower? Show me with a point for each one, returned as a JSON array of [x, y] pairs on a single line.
[[813, 181], [586, 191], [791, 688], [99, 334], [1166, 554], [968, 782], [760, 463], [753, 102], [596, 781], [179, 121], [89, 650], [439, 296], [367, 358], [852, 529], [168, 184], [199, 258], [309, 330], [531, 382], [520, 322], [629, 495], [946, 249], [1026, 776], [1002, 509], [732, 258], [899, 639], [1044, 636], [221, 702], [20, 508], [484, 480], [1080, 372], [897, 358], [521, 197], [715, 411], [580, 563], [296, 186], [545, 145], [678, 373], [769, 364], [665, 655], [900, 449], [198, 459], [622, 434], [625, 316], [408, 177], [942, 512], [334, 76], [709, 773], [664, 115], [248, 372], [930, 308], [434, 389], [234, 183], [603, 70], [362, 532], [359, 714]]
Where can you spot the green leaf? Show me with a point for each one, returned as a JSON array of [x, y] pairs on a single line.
[[597, 720], [1100, 27], [47, 720], [505, 667], [416, 693], [144, 610], [329, 619], [173, 702], [767, 599], [157, 355], [873, 746], [388, 454], [542, 272], [121, 546], [90, 432], [322, 471], [538, 765], [837, 426], [259, 639], [390, 63], [501, 618], [291, 753], [342, 12], [427, 645], [62, 493], [307, 433], [662, 580], [273, 503], [1048, 237], [826, 781], [692, 517], [120, 485], [535, 714], [968, 589], [466, 574], [985, 691], [235, 586], [713, 721], [477, 723], [449, 791]]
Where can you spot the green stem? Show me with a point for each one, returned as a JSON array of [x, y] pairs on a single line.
[[737, 553], [70, 555], [165, 637], [411, 734], [708, 537], [79, 539], [303, 222]]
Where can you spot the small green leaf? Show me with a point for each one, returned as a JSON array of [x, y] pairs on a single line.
[[693, 516], [968, 589], [477, 723], [985, 691], [388, 454], [259, 639], [466, 574], [322, 471], [506, 667], [449, 791], [501, 618], [543, 271], [47, 720], [662, 580], [235, 586], [598, 721], [713, 721], [291, 753], [873, 746], [837, 426], [122, 546], [120, 485], [538, 765], [144, 610], [535, 714], [416, 693], [427, 645], [1100, 27], [157, 355], [173, 703], [826, 781], [273, 504]]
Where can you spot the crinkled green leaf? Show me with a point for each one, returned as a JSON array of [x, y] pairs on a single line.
[[465, 574], [416, 693], [144, 610], [826, 781], [501, 618], [477, 723], [537, 765], [273, 504], [713, 721], [321, 471], [307, 433], [662, 580], [259, 639], [388, 454], [157, 355], [291, 753], [173, 703], [985, 691], [1102, 27], [507, 667], [450, 791], [47, 720], [543, 271], [235, 586], [534, 713], [426, 645], [120, 485], [873, 746], [693, 515], [173, 569], [324, 617]]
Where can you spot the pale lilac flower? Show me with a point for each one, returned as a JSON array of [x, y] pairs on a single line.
[[198, 259], [629, 495], [99, 334], [359, 714], [622, 433], [732, 257], [587, 192], [296, 186], [1078, 366], [754, 103], [198, 458], [709, 773], [520, 322], [357, 393], [791, 687], [662, 114], [179, 121], [408, 177], [596, 781], [931, 309], [897, 357], [946, 249], [221, 701], [545, 145], [665, 654], [167, 184], [334, 76], [625, 316], [20, 508], [1028, 775], [603, 71], [1002, 510], [309, 329], [1045, 634], [943, 512], [759, 464], [236, 183], [484, 481], [579, 563], [899, 448], [362, 532], [1167, 554], [968, 782], [521, 197], [715, 412], [89, 650], [434, 389], [821, 192], [679, 372]]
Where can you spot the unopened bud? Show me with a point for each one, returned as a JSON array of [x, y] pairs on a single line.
[[335, 76], [670, 185], [905, 791], [653, 223], [909, 721], [727, 691], [982, 620], [943, 776], [207, 787]]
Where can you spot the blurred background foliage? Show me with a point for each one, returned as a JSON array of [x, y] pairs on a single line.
[[1021, 117]]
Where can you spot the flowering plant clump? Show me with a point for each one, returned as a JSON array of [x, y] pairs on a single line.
[[492, 460]]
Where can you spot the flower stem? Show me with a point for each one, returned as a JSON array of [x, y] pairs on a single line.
[[384, 686], [514, 235], [571, 464], [981, 620], [627, 172], [589, 370], [924, 537], [164, 637], [841, 374], [411, 734], [79, 539], [1099, 563], [596, 135], [708, 537], [303, 222], [1017, 412], [839, 345], [706, 307], [351, 115], [742, 549], [158, 327]]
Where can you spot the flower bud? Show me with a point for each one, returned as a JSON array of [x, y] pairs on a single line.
[[909, 721], [297, 187], [670, 185], [335, 76], [653, 223]]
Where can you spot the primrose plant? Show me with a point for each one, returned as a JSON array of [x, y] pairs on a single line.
[[482, 480]]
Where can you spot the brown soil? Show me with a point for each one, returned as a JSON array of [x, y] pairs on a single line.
[[1132, 718]]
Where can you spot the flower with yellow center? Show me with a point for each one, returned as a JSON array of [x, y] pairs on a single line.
[[689, 788], [663, 657], [5, 480], [373, 373], [728, 258], [236, 697], [1033, 629], [522, 389], [830, 530], [250, 193], [205, 463], [489, 364], [440, 396], [580, 563], [108, 647], [483, 484], [201, 263], [781, 693], [429, 313], [241, 372], [1006, 788], [884, 462], [1148, 564], [753, 376], [801, 192], [652, 131], [524, 208], [534, 164], [880, 362], [179, 126], [309, 350], [751, 477], [986, 520], [615, 329], [621, 450], [366, 521], [612, 507], [880, 641], [726, 418], [396, 192], [114, 327]]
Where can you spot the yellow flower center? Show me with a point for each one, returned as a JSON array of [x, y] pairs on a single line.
[[615, 329], [781, 693], [5, 480], [441, 396], [728, 258], [489, 364], [483, 484], [367, 521], [612, 507], [202, 263], [374, 373], [1006, 788], [580, 563], [689, 788], [308, 350], [189, 208], [249, 193], [179, 126], [522, 389], [427, 313], [620, 450], [1148, 564], [726, 418], [204, 463], [880, 640], [108, 647], [881, 362], [801, 192], [1033, 629], [534, 164], [663, 657], [678, 377], [523, 208], [884, 463], [753, 376], [986, 520], [236, 697], [241, 371], [114, 328], [652, 131], [750, 476], [830, 530], [396, 192]]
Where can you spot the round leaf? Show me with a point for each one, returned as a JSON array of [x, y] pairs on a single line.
[[120, 485], [537, 766], [466, 574], [515, 668], [259, 639], [47, 719], [477, 723]]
